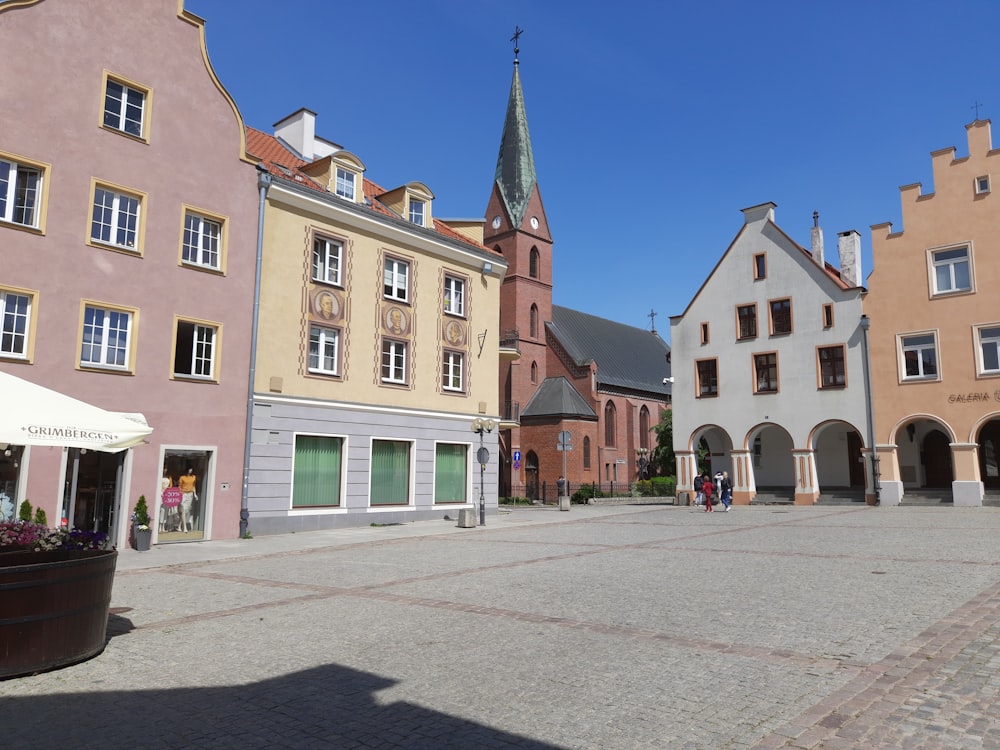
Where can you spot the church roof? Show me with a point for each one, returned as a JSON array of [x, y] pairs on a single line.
[[515, 164], [627, 357], [555, 397]]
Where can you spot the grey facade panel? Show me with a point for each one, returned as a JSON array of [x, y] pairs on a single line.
[[272, 456]]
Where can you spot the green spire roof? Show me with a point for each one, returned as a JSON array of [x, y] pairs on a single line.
[[515, 164]]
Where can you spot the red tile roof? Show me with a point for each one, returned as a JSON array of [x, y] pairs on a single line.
[[281, 162]]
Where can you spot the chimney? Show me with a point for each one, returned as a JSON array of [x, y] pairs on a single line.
[[849, 245], [817, 241], [298, 131]]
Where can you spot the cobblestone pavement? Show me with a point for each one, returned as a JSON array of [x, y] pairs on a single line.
[[604, 627]]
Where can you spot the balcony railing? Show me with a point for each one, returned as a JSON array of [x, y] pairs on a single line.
[[510, 411], [509, 339]]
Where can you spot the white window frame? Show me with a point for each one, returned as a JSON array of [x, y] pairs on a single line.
[[20, 201], [990, 342], [454, 295], [418, 212], [346, 184], [917, 343], [936, 262], [327, 260], [204, 349], [116, 218], [394, 361], [117, 115], [982, 184], [396, 280], [453, 371], [327, 347], [15, 323], [194, 250], [102, 330]]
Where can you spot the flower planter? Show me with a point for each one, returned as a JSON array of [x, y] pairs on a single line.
[[53, 608]]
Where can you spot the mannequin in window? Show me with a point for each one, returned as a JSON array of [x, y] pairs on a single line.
[[186, 482]]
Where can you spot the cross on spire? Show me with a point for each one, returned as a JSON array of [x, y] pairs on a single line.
[[517, 34], [976, 105], [652, 320]]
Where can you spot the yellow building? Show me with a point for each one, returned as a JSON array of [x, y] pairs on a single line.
[[935, 332], [377, 346]]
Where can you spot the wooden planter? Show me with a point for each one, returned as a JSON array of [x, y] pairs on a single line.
[[53, 608]]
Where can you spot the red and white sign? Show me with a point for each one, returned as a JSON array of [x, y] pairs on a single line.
[[172, 497]]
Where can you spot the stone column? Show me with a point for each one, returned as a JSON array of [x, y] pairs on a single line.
[[890, 482], [744, 485], [806, 489], [967, 486], [686, 467]]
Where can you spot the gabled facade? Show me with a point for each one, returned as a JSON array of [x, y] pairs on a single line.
[[378, 346], [769, 369], [936, 331], [546, 351], [127, 269]]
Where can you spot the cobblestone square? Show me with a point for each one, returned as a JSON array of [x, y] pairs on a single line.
[[603, 627]]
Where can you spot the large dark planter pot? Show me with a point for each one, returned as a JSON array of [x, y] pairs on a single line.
[[53, 608]]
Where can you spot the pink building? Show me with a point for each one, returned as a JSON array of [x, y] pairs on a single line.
[[128, 214]]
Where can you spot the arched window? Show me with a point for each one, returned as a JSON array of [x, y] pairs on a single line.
[[534, 372], [533, 263], [586, 452], [644, 428], [609, 424], [533, 322]]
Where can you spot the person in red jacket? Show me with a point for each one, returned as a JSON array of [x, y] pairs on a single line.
[[707, 489]]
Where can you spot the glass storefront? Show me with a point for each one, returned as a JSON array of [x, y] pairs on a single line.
[[183, 505], [91, 489], [10, 465]]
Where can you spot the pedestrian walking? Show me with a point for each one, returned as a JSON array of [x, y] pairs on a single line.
[[699, 496], [727, 491], [707, 489]]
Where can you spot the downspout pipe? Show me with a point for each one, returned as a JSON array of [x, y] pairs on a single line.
[[876, 487], [263, 183]]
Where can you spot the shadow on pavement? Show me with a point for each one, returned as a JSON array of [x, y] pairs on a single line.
[[329, 707]]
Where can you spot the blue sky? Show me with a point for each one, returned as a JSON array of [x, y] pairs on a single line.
[[653, 123]]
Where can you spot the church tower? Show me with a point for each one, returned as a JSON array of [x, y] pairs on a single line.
[[517, 227]]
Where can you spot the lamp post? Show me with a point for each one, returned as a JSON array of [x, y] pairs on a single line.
[[643, 462], [481, 427], [876, 487]]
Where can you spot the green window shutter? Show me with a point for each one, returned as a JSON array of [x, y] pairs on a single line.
[[316, 476], [450, 473], [390, 472]]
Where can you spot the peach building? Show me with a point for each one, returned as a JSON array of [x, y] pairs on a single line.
[[935, 332]]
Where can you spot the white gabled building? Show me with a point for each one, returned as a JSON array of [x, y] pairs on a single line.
[[769, 369]]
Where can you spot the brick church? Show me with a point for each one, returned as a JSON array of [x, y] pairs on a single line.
[[579, 391]]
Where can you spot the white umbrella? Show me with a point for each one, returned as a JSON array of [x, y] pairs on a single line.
[[33, 415]]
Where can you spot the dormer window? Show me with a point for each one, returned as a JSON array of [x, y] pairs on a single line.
[[345, 183], [417, 211]]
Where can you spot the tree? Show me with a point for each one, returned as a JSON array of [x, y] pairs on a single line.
[[663, 461]]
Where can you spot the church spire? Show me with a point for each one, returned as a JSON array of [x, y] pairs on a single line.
[[515, 174]]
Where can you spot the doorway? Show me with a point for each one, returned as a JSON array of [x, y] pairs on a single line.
[[989, 455], [531, 476], [92, 486], [855, 460], [936, 456]]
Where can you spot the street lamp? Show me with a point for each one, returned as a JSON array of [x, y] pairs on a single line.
[[482, 426], [643, 462]]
